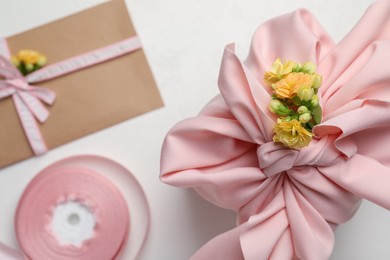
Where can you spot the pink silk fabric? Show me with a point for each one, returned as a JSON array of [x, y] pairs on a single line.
[[289, 202]]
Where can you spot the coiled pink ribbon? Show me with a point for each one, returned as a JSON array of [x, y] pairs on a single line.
[[108, 189], [54, 187], [28, 99]]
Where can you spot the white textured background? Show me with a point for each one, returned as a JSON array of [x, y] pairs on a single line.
[[183, 40]]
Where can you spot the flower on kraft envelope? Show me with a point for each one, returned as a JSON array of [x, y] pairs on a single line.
[[289, 201], [28, 61]]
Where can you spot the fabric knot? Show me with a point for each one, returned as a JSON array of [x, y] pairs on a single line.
[[275, 158]]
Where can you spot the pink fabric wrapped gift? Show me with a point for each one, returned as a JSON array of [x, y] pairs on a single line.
[[289, 201]]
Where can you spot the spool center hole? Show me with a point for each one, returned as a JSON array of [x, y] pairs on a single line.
[[73, 219], [72, 223]]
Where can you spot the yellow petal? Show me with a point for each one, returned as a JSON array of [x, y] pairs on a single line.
[[292, 134]]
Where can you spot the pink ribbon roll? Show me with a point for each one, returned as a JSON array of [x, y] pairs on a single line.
[[107, 189], [86, 187]]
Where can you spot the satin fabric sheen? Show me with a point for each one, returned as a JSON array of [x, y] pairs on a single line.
[[289, 202]]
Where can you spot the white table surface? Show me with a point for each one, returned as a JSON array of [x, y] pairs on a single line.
[[183, 41]]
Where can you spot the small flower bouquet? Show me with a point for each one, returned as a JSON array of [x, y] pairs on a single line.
[[295, 99], [291, 146], [28, 61]]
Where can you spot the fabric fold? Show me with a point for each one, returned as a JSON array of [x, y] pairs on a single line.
[[289, 202]]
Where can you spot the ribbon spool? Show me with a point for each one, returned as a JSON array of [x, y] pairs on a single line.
[[69, 191], [64, 186]]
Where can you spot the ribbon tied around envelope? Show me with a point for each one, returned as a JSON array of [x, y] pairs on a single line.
[[29, 99], [28, 102]]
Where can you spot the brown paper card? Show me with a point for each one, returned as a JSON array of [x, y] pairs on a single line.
[[87, 100]]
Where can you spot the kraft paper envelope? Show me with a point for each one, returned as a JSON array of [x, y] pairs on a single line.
[[87, 100]]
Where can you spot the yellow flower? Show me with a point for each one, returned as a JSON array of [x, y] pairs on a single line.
[[289, 86], [292, 134], [30, 57], [305, 93], [278, 71]]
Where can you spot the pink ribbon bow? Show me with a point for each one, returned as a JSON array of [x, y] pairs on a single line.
[[28, 99], [28, 102], [289, 202]]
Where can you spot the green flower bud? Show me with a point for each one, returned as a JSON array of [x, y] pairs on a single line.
[[304, 118], [302, 110], [309, 67], [29, 67], [317, 81], [305, 93], [297, 68], [315, 101], [41, 61], [277, 107]]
